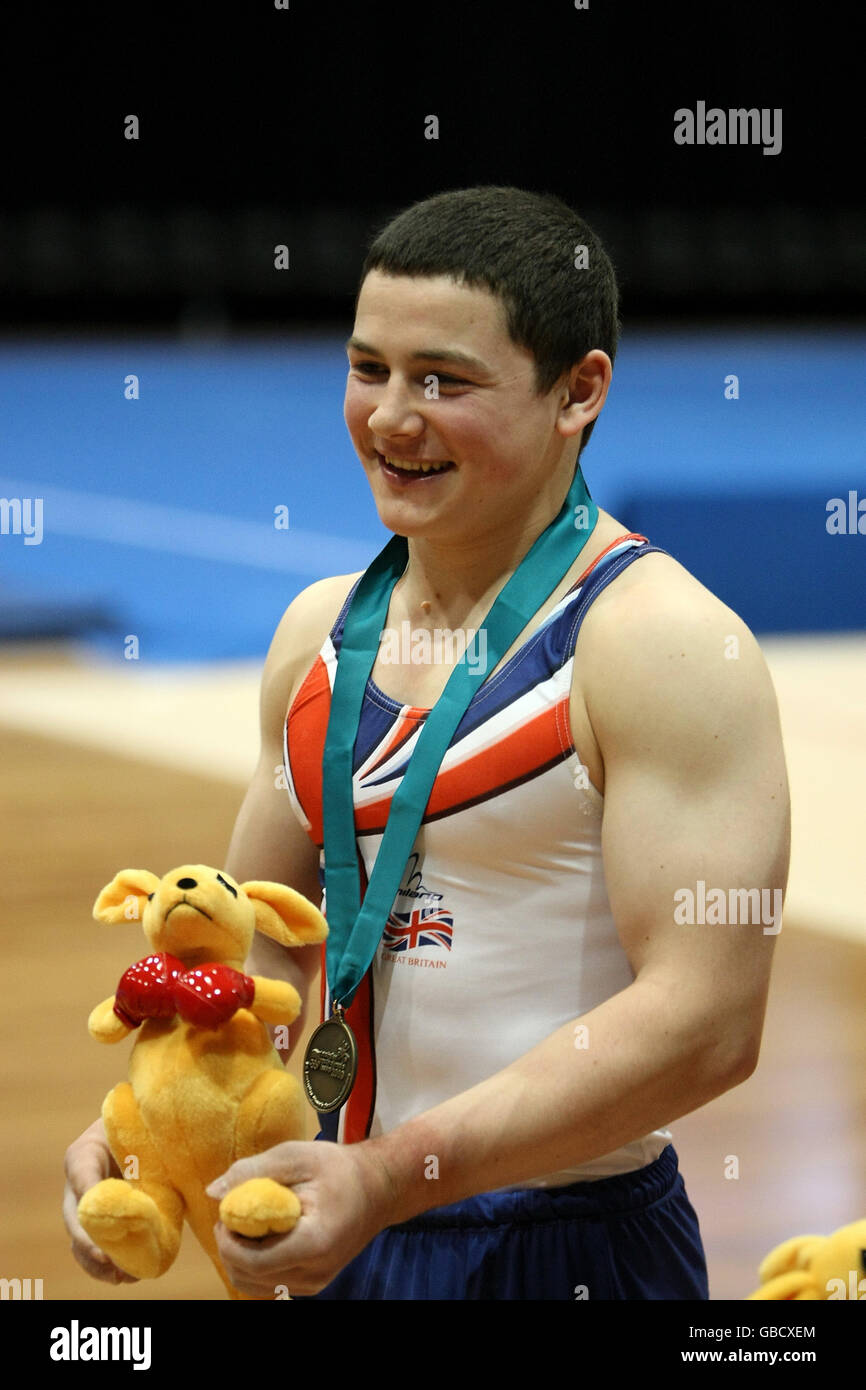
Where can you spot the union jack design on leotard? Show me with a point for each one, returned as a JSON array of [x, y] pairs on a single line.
[[423, 926]]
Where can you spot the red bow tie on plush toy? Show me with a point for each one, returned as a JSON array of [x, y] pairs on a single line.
[[161, 986]]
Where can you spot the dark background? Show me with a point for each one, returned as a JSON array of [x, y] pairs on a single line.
[[305, 126]]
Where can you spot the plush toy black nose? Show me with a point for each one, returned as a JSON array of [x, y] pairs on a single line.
[[187, 883]]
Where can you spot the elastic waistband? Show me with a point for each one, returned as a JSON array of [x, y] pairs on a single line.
[[591, 1201]]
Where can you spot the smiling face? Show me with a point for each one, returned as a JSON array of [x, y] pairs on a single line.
[[511, 452]]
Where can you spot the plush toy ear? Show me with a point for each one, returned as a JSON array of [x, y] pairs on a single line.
[[285, 915], [123, 899]]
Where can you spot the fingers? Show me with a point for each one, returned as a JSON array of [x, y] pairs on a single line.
[[258, 1267], [88, 1160], [302, 1261], [338, 1219], [271, 1267], [290, 1163]]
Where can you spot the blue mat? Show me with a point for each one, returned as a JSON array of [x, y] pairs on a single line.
[[768, 557]]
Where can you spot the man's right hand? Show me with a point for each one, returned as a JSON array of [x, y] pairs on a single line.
[[88, 1161]]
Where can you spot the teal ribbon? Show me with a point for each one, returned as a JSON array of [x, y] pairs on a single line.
[[355, 930]]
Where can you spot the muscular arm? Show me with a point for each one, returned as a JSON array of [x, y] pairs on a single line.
[[695, 788], [267, 841]]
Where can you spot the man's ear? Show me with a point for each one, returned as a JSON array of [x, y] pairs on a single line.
[[584, 392], [123, 899], [285, 915]]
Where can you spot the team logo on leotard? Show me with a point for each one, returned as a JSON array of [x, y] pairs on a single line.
[[430, 926]]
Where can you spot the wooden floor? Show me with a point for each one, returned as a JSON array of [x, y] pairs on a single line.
[[73, 815]]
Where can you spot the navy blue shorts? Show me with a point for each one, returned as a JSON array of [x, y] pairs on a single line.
[[634, 1236]]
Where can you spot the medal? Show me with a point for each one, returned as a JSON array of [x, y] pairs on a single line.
[[355, 928], [331, 1063]]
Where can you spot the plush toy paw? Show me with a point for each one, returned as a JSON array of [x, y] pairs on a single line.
[[125, 1223], [105, 1024], [260, 1207]]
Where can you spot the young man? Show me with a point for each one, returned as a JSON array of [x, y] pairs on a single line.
[[506, 1137]]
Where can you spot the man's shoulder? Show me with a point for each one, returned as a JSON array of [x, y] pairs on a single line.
[[321, 601], [306, 623], [657, 639], [650, 594]]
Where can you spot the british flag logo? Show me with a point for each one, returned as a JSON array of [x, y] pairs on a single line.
[[422, 926]]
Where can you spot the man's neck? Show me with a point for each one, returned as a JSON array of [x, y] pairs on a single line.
[[455, 585]]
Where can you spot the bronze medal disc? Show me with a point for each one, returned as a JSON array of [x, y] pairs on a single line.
[[330, 1064]]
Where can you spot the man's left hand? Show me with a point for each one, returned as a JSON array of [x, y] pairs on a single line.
[[345, 1197]]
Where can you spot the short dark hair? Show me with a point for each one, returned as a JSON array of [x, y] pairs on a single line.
[[521, 246]]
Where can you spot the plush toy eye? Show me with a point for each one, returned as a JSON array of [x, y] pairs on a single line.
[[149, 896], [233, 891]]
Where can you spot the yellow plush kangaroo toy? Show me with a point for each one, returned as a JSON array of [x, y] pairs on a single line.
[[206, 1085]]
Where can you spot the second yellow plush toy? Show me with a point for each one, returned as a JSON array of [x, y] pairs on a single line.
[[206, 1086], [816, 1267]]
